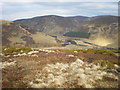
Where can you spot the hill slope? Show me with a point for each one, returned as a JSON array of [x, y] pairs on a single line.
[[51, 24], [14, 35]]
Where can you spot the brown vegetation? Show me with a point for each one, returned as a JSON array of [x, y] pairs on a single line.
[[27, 67]]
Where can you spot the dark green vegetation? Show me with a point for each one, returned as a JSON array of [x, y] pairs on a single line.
[[99, 51], [77, 34], [104, 63], [16, 50], [91, 51]]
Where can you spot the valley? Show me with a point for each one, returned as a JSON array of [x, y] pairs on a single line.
[[60, 52]]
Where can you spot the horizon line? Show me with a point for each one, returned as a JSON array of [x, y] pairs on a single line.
[[58, 16]]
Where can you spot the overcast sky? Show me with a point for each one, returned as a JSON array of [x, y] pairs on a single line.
[[21, 9]]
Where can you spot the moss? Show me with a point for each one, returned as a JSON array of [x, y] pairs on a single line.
[[104, 52], [91, 51], [17, 50], [104, 63], [25, 49], [10, 50], [98, 51]]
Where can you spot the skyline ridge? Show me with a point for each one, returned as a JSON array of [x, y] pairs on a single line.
[[60, 16]]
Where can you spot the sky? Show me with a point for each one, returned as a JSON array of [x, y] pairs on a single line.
[[22, 9]]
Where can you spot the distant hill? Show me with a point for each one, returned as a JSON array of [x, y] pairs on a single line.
[[51, 24], [103, 30]]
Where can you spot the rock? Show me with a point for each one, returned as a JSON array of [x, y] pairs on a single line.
[[70, 55], [78, 61], [116, 65]]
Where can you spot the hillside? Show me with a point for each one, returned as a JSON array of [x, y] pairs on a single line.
[[103, 30], [100, 28], [51, 24], [59, 68], [14, 35]]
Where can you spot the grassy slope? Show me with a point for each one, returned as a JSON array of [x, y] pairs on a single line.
[[43, 39]]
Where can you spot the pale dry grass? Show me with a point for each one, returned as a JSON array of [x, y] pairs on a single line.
[[43, 39]]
